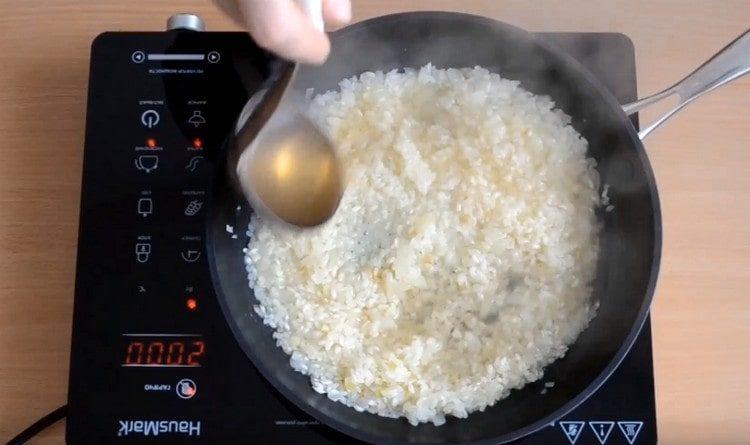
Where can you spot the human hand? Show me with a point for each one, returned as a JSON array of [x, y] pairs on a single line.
[[285, 28]]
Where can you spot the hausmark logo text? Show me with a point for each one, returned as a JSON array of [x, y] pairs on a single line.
[[156, 427]]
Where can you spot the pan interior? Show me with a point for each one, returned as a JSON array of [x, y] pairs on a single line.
[[629, 236]]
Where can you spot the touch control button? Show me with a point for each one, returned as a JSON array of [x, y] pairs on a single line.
[[143, 248], [194, 201], [150, 118], [190, 255], [191, 246], [186, 389], [147, 163], [197, 118], [192, 164], [145, 207]]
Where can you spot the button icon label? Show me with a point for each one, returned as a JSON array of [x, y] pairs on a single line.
[[601, 430], [193, 207], [630, 430], [196, 119], [147, 163], [156, 387], [186, 389], [572, 430], [214, 57], [145, 207], [150, 118], [193, 163], [190, 256], [137, 56], [142, 252]]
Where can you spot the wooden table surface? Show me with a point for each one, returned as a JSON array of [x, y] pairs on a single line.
[[701, 159]]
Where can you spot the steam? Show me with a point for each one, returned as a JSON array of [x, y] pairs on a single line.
[[445, 39]]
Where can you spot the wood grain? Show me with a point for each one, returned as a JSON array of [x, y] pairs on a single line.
[[702, 310]]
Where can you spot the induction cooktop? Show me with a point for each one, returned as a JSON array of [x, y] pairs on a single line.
[[153, 360]]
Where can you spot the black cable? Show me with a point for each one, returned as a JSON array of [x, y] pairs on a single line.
[[39, 425]]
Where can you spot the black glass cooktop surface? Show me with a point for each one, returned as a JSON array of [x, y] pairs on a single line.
[[153, 359]]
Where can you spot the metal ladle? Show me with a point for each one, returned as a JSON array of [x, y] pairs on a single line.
[[287, 167]]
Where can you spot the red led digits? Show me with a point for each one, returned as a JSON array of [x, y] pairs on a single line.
[[159, 353], [134, 356], [198, 348], [175, 353], [155, 355]]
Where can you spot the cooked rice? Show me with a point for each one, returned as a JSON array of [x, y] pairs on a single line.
[[460, 260]]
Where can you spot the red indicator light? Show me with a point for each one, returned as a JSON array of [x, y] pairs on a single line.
[[151, 142], [192, 304], [198, 143]]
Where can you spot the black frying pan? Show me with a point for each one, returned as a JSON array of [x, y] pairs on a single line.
[[630, 237]]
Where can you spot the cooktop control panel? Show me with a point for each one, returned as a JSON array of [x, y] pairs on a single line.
[[153, 359], [151, 354]]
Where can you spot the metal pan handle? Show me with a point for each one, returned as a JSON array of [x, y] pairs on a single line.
[[729, 64]]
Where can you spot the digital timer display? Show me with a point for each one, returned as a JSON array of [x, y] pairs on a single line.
[[163, 350]]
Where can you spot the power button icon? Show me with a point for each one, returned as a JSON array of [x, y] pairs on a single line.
[[150, 118]]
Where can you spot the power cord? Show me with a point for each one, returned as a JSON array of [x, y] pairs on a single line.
[[39, 425]]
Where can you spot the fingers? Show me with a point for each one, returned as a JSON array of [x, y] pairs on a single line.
[[232, 9], [337, 12], [281, 27]]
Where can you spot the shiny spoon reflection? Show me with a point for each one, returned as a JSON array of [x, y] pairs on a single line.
[[288, 167]]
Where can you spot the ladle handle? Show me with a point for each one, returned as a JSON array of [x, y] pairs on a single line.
[[729, 64]]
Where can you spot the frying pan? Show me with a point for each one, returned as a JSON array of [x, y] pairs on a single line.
[[630, 238]]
